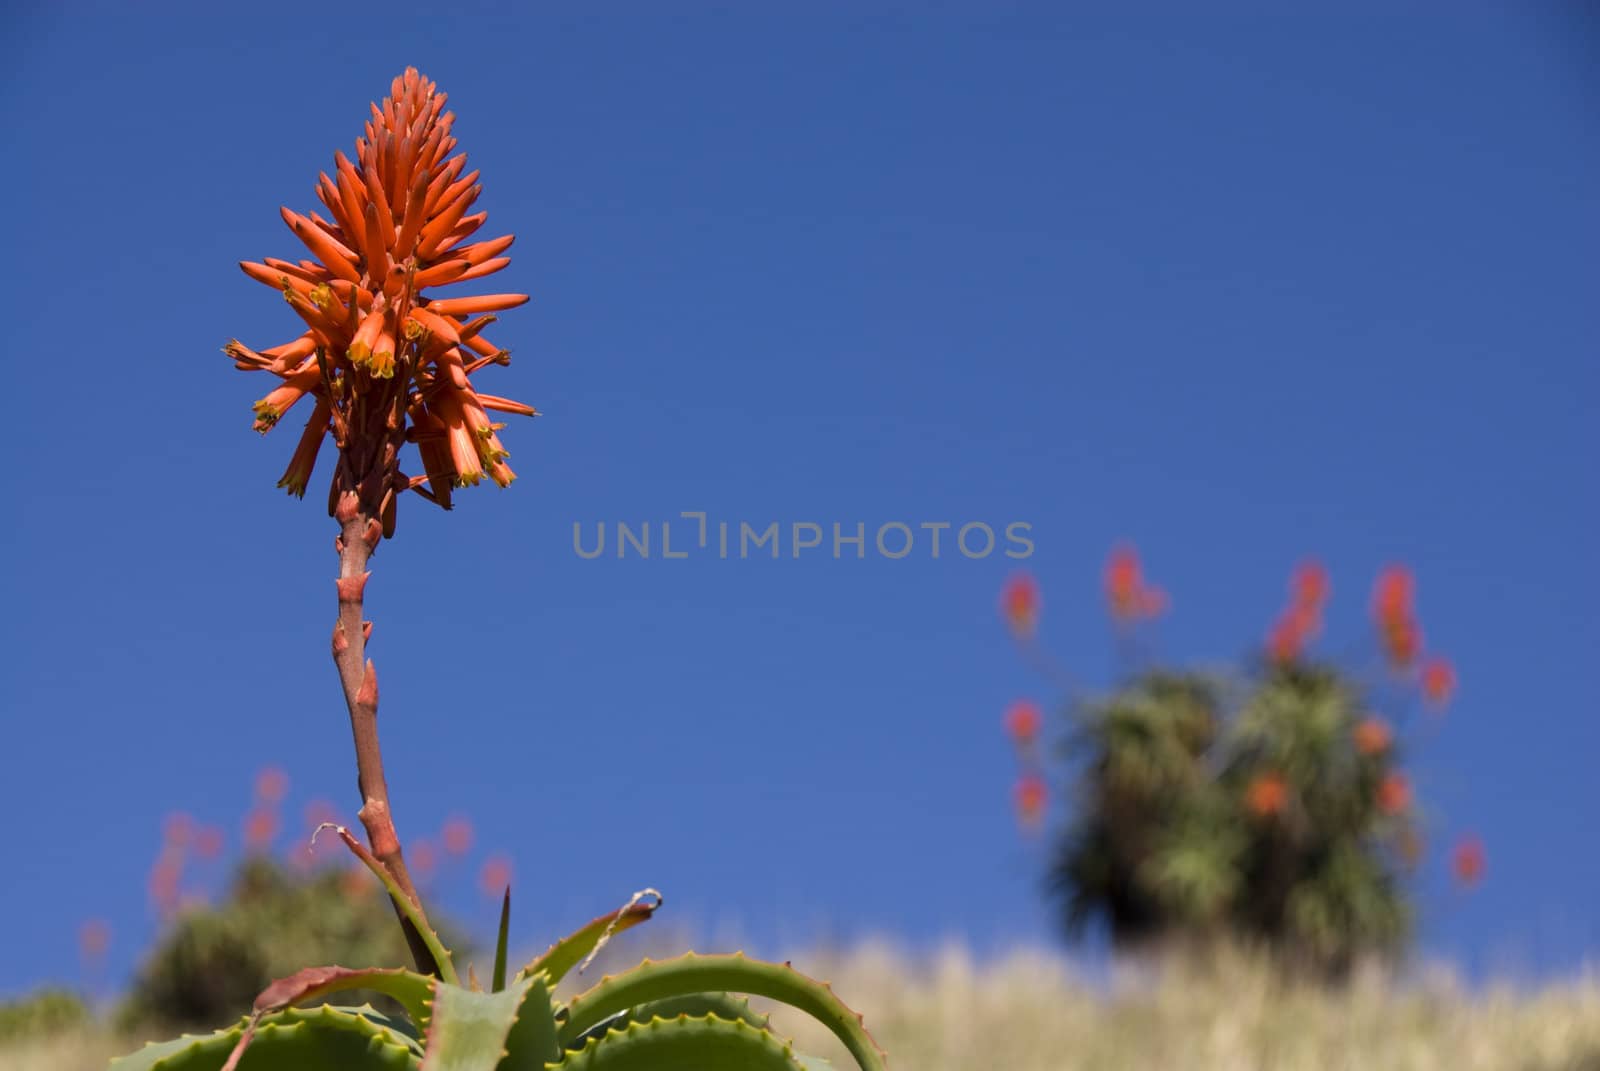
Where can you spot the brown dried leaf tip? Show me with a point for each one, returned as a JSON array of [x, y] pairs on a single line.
[[384, 362]]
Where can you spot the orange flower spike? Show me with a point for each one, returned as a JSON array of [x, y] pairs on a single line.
[[1023, 722], [1394, 793], [1469, 861], [394, 205], [1438, 681], [1266, 795], [1372, 736], [1020, 603]]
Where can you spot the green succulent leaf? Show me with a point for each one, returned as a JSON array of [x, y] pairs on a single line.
[[653, 981], [499, 981], [469, 1030], [695, 1005], [568, 952], [683, 1044], [296, 1039], [413, 991], [532, 1041]]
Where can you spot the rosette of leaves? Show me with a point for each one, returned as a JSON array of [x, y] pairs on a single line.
[[690, 1013]]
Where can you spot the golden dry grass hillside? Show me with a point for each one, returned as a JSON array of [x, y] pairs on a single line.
[[1029, 1011]]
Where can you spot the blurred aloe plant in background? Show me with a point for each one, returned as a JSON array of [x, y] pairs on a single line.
[[1267, 803]]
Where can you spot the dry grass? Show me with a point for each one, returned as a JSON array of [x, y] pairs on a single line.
[[1030, 1012]]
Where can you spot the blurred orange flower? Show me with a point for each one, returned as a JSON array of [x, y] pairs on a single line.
[[1032, 795], [1402, 641], [320, 812], [1469, 860], [208, 842], [177, 829], [1372, 736], [272, 784], [1266, 795], [1309, 587], [1394, 594], [1020, 604], [260, 827], [1394, 610], [162, 884], [424, 856], [1128, 596], [94, 937], [457, 835], [1023, 722], [1394, 793], [1290, 633], [495, 876], [1438, 681]]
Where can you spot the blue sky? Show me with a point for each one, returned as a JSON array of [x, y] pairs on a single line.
[[1240, 288]]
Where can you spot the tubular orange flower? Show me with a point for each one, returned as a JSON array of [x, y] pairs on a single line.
[[1266, 795], [380, 350], [1372, 736], [1023, 721], [1019, 601]]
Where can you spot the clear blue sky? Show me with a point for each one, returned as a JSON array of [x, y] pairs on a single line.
[[1239, 288]]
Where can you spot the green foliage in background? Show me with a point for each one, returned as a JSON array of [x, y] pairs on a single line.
[[1252, 809], [212, 961], [44, 1013]]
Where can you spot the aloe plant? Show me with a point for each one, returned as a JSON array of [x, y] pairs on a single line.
[[388, 365], [660, 1016]]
